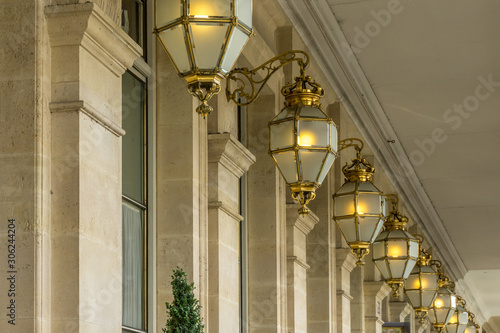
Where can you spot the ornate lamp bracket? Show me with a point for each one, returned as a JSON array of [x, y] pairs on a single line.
[[255, 79]]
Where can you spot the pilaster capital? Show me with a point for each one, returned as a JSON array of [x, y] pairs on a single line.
[[379, 289], [304, 223], [399, 310], [228, 151], [86, 25], [345, 259]]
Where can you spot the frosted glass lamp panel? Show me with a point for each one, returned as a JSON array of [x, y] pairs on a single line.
[[311, 112], [462, 317], [167, 11], [330, 158], [333, 137], [396, 248], [414, 282], [348, 187], [429, 281], [288, 166], [369, 203], [344, 205], [409, 266], [244, 12], [413, 248], [282, 135], [367, 227], [453, 301], [313, 133], [285, 113], [311, 163], [383, 268], [377, 231], [237, 41], [204, 8], [414, 298], [348, 228], [378, 250], [397, 267], [173, 39], [207, 42], [428, 297]]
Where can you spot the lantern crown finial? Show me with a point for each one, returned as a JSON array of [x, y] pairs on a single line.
[[395, 220], [304, 91], [359, 169]]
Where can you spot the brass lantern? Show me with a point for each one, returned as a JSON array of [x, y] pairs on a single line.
[[358, 206], [421, 287], [444, 305], [203, 38], [303, 140], [459, 319], [395, 251]]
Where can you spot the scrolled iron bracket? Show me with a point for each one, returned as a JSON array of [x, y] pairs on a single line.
[[258, 77]]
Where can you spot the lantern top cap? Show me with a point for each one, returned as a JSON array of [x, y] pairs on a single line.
[[358, 170], [396, 220], [424, 257], [304, 91]]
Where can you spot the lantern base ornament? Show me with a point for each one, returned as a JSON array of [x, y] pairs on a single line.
[[421, 315], [303, 197], [204, 87], [360, 250], [395, 285]]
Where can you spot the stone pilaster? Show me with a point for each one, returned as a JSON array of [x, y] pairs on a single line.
[[374, 293], [358, 300], [266, 227], [228, 159], [297, 229], [398, 311], [346, 263], [182, 190], [89, 54]]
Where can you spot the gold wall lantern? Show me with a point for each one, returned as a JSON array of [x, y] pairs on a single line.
[[459, 319], [302, 138], [395, 251], [472, 327], [358, 206], [203, 38], [421, 287], [444, 305]]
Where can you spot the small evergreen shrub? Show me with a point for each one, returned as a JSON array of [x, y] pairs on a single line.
[[184, 311]]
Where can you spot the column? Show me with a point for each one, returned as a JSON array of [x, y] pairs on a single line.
[[228, 159], [346, 263], [89, 54], [297, 229], [358, 300], [374, 293]]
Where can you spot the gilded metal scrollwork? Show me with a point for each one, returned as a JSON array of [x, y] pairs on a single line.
[[255, 79]]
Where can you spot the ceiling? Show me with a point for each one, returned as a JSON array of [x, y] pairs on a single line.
[[427, 75]]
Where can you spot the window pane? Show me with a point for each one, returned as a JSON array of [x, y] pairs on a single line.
[[133, 266], [133, 140], [133, 20]]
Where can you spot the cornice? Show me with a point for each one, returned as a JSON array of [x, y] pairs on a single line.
[[304, 223]]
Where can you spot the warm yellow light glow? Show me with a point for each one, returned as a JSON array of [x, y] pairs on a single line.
[[418, 285], [305, 140], [453, 319], [438, 303], [201, 16], [361, 209], [394, 251]]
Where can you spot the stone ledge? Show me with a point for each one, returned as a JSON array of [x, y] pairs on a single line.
[[303, 223], [81, 106], [223, 207], [229, 152], [298, 261]]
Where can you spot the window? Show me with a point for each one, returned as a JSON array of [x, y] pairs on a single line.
[[135, 203], [243, 258], [134, 207]]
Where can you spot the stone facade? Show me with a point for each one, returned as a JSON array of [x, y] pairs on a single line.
[[60, 179]]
